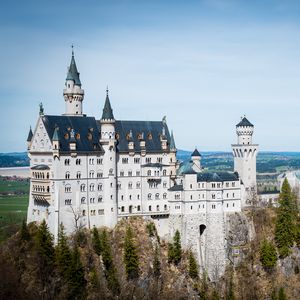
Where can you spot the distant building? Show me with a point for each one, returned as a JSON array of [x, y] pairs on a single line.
[[88, 172]]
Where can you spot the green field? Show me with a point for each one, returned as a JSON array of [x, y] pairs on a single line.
[[13, 206]]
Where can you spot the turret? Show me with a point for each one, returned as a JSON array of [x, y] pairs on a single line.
[[196, 158], [55, 142], [73, 94], [172, 143], [29, 138], [244, 131]]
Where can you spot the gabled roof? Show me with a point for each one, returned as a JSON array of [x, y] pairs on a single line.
[[107, 110], [73, 74], [30, 135], [196, 153], [85, 130], [217, 176], [244, 122]]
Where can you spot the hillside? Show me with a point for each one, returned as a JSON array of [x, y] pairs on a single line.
[[25, 275]]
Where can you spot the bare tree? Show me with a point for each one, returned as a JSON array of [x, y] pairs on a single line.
[[77, 218]]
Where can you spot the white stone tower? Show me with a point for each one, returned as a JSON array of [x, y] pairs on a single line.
[[73, 93], [108, 142], [244, 153]]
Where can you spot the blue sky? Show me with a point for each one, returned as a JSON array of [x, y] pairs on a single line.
[[203, 64]]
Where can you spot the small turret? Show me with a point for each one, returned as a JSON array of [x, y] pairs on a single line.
[[196, 158], [72, 142], [55, 141], [172, 143], [29, 138], [73, 94], [244, 131], [107, 114]]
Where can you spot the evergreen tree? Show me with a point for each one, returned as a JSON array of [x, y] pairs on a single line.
[[63, 255], [177, 248], [281, 294], [110, 270], [96, 241], [170, 253], [274, 295], [268, 256], [193, 268], [156, 263], [25, 236], [130, 256], [44, 242], [76, 281], [284, 229], [230, 292]]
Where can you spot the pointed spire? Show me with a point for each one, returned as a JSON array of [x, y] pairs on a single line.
[[55, 137], [172, 142], [107, 110], [30, 135], [73, 73], [41, 109], [196, 153]]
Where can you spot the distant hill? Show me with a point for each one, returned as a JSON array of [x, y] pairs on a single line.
[[14, 159]]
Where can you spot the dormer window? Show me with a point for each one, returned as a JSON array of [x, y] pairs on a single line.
[[149, 136]]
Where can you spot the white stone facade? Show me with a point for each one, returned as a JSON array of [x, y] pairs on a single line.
[[87, 172]]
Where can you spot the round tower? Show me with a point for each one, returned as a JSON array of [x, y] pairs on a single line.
[[244, 154], [73, 94], [196, 159]]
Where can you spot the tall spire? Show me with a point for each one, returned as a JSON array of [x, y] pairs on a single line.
[[30, 135], [73, 73], [172, 142], [107, 110]]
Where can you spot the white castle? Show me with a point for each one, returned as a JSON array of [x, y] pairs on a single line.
[[87, 172]]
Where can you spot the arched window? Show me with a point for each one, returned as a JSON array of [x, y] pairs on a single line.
[[157, 207], [99, 173], [164, 172], [156, 196], [149, 173], [111, 171], [92, 174], [130, 185], [165, 207], [78, 175], [92, 187], [165, 195], [82, 188], [150, 208], [67, 175], [83, 200], [138, 185], [100, 187], [68, 188], [149, 196], [67, 162], [100, 198]]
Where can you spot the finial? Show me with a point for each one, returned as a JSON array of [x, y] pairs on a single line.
[[72, 46], [164, 119], [107, 90], [41, 109]]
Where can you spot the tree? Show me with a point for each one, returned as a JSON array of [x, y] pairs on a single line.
[[25, 236], [230, 292], [156, 263], [130, 256], [268, 255], [44, 243], [193, 268], [284, 229], [281, 294], [177, 248], [96, 241], [63, 255], [170, 253], [110, 270]]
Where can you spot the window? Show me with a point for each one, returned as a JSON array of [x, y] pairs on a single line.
[[100, 211], [100, 187], [148, 160], [227, 184], [82, 188], [99, 174], [232, 195], [68, 202], [138, 173], [149, 196], [78, 175], [233, 204], [213, 185], [67, 162], [93, 212], [159, 159], [164, 184], [191, 186], [164, 172], [122, 197], [149, 173], [92, 173], [68, 188], [125, 160], [92, 187], [130, 197], [111, 171], [213, 206], [218, 185], [78, 161], [138, 208], [130, 173], [138, 185], [100, 199], [91, 161], [165, 207], [67, 175], [138, 197], [191, 197], [233, 184], [157, 207], [99, 161], [177, 196], [121, 173], [165, 196], [122, 208], [150, 208], [136, 160], [83, 212], [227, 205], [83, 200], [156, 196]]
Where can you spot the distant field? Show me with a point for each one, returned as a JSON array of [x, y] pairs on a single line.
[[13, 206]]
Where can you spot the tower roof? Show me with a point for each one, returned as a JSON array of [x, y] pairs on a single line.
[[172, 142], [73, 73], [244, 122], [55, 135], [107, 110], [30, 135], [196, 153]]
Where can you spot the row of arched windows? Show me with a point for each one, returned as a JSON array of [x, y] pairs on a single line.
[[40, 175], [91, 187], [157, 196], [40, 188]]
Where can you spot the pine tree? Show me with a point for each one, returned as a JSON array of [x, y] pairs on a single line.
[[110, 270], [25, 235], [63, 255], [44, 242], [96, 241], [156, 263], [193, 268], [177, 248], [76, 281], [268, 255], [170, 253], [130, 256], [281, 294], [284, 229]]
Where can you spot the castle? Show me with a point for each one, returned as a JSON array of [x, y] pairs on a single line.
[[87, 172]]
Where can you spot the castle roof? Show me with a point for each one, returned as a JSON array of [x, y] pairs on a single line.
[[40, 167], [107, 110], [172, 142], [85, 129], [30, 135], [176, 188], [244, 122], [216, 176], [73, 73], [196, 153]]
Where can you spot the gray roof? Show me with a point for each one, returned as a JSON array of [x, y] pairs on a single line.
[[55, 134], [217, 176], [85, 129], [30, 135], [244, 122], [150, 130], [107, 110], [196, 153], [176, 188], [154, 165], [172, 142], [40, 167], [73, 74]]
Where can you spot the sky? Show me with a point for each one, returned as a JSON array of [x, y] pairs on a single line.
[[202, 64]]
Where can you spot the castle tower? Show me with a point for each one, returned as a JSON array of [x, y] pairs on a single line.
[[196, 159], [244, 153], [108, 142], [73, 94]]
